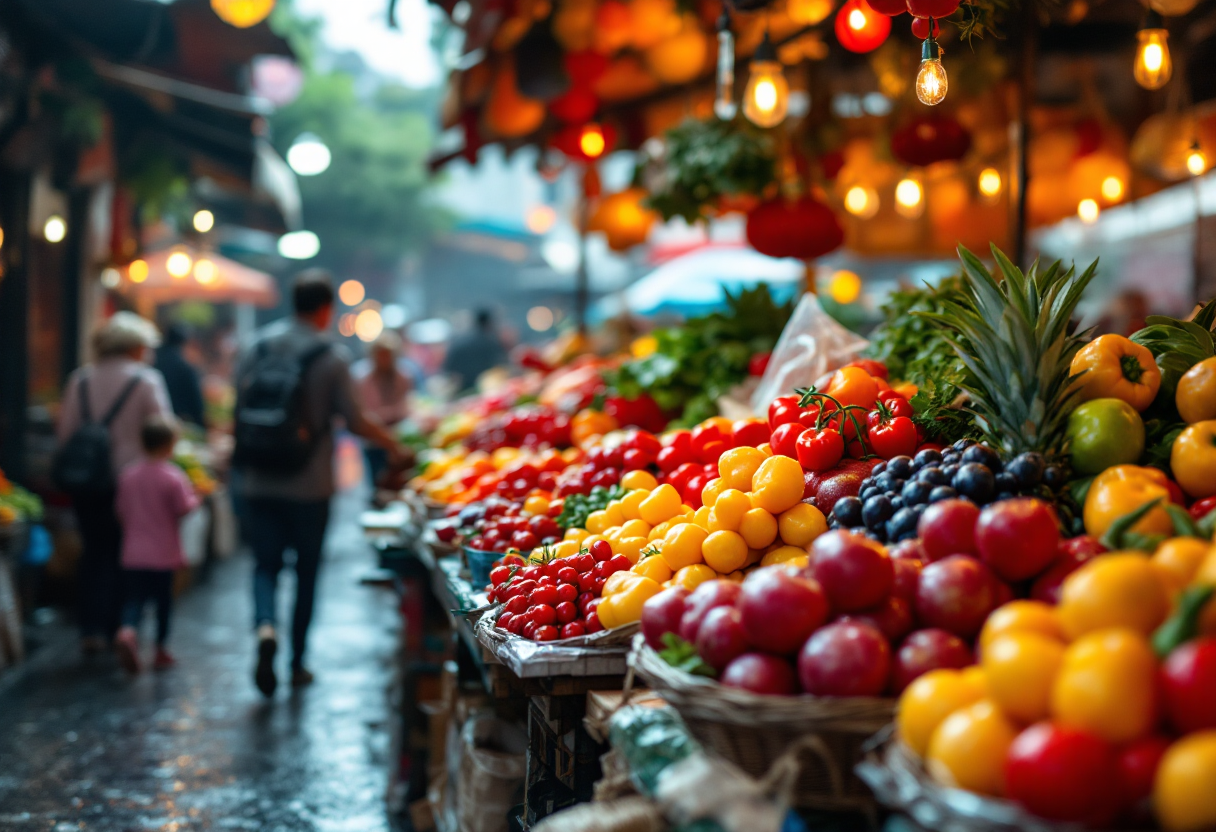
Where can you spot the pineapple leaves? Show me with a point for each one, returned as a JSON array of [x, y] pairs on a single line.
[[1011, 331]]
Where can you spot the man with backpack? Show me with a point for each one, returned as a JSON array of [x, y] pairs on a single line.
[[105, 405], [292, 385]]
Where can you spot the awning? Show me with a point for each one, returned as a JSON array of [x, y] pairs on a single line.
[[207, 276]]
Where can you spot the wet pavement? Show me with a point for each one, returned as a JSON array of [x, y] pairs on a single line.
[[83, 746]]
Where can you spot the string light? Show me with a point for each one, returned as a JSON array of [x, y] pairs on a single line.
[[55, 229], [137, 271], [724, 100], [861, 201], [592, 142], [909, 198], [931, 80], [1112, 189], [845, 286], [351, 292], [767, 97], [990, 182], [1196, 162], [179, 264], [205, 271], [1088, 211], [1153, 66], [204, 221]]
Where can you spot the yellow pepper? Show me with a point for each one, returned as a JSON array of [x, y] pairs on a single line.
[[623, 596], [1193, 459], [653, 567], [1124, 488], [1196, 394], [1115, 367]]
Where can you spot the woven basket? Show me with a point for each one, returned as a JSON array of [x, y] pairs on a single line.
[[753, 731]]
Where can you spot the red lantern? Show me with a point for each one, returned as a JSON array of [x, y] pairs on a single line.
[[585, 68], [578, 104], [936, 9], [859, 28], [891, 8], [585, 142], [804, 228], [929, 139]]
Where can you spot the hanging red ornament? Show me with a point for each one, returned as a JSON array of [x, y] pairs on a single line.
[[804, 228], [585, 67], [891, 8], [920, 28], [928, 139], [585, 142], [859, 28], [932, 8], [578, 104]]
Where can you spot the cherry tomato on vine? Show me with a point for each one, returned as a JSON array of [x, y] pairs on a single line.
[[894, 437], [819, 451], [785, 437], [784, 409], [896, 404], [809, 416]]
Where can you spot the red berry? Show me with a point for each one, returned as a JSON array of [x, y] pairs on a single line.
[[567, 575], [567, 592], [593, 623], [545, 632], [573, 630], [601, 550], [619, 563], [546, 595], [542, 614], [566, 612]]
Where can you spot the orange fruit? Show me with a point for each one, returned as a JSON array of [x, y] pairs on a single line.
[[738, 465], [759, 528], [1020, 670], [1183, 793], [1116, 590], [967, 750], [1021, 617], [725, 551], [930, 699], [778, 484], [801, 524], [692, 576], [536, 505], [1107, 685], [682, 545]]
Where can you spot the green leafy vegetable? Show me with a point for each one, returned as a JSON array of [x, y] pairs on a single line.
[[697, 363], [576, 507], [683, 656], [1177, 346]]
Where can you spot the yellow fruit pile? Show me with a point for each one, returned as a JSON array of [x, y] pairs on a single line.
[[1087, 664]]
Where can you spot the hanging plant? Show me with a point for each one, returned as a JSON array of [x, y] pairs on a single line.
[[705, 163]]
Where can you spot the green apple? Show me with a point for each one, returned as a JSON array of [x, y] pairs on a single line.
[[1102, 433]]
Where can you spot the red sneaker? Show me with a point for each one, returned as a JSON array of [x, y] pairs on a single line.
[[126, 644], [164, 660]]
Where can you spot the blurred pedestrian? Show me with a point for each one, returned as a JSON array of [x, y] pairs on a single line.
[[181, 377], [383, 390], [105, 405], [472, 354], [293, 384], [153, 497]]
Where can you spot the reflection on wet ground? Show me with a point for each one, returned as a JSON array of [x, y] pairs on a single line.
[[83, 746]]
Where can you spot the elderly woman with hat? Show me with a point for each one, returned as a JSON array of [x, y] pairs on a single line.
[[119, 390]]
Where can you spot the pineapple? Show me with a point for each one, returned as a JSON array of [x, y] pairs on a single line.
[[1012, 334]]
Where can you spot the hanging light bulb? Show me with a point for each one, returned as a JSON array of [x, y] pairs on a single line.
[[724, 101], [1153, 66], [767, 97], [1088, 211], [909, 198], [1196, 162], [990, 182], [931, 81]]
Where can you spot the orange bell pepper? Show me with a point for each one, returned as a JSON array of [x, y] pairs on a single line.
[[1193, 459], [1115, 367]]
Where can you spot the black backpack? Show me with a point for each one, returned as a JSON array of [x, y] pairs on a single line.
[[83, 466], [270, 424]]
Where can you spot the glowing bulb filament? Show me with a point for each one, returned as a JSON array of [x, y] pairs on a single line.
[[931, 82], [767, 98], [1153, 66]]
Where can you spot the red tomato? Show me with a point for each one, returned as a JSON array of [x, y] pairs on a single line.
[[546, 595], [893, 438], [809, 416], [573, 630], [896, 403], [1202, 507], [820, 451], [1137, 762], [1188, 685], [671, 458], [542, 614], [784, 409], [711, 451], [566, 612], [545, 632], [691, 496], [1061, 773], [758, 363], [635, 460], [751, 433], [593, 622], [504, 621], [874, 368], [679, 478], [644, 441], [499, 575], [568, 592], [601, 550], [785, 438]]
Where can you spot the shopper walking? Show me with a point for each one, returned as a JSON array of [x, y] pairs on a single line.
[[105, 405], [383, 390], [153, 497], [475, 352], [292, 386], [181, 377]]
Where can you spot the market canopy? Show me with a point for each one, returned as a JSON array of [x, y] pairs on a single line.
[[182, 273]]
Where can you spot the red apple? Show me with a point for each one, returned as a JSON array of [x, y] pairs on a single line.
[[1061, 773], [845, 659], [1137, 762], [1071, 556], [1188, 685], [1017, 538], [853, 570], [844, 484], [892, 618], [662, 613], [760, 673], [703, 599], [910, 549], [721, 637], [780, 609], [926, 650], [948, 528], [907, 578], [956, 594]]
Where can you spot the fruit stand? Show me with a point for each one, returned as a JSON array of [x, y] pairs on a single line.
[[963, 574]]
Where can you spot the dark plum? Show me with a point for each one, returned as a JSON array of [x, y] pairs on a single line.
[[848, 511], [942, 492], [984, 456], [876, 511], [975, 481], [900, 467]]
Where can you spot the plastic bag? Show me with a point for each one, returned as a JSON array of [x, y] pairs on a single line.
[[812, 344], [492, 768]]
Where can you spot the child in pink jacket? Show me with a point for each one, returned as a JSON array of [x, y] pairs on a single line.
[[153, 497]]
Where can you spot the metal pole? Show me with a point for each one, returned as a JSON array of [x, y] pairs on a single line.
[[14, 320]]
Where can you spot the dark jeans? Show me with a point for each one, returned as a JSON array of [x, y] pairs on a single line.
[[141, 586], [99, 602], [272, 527]]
